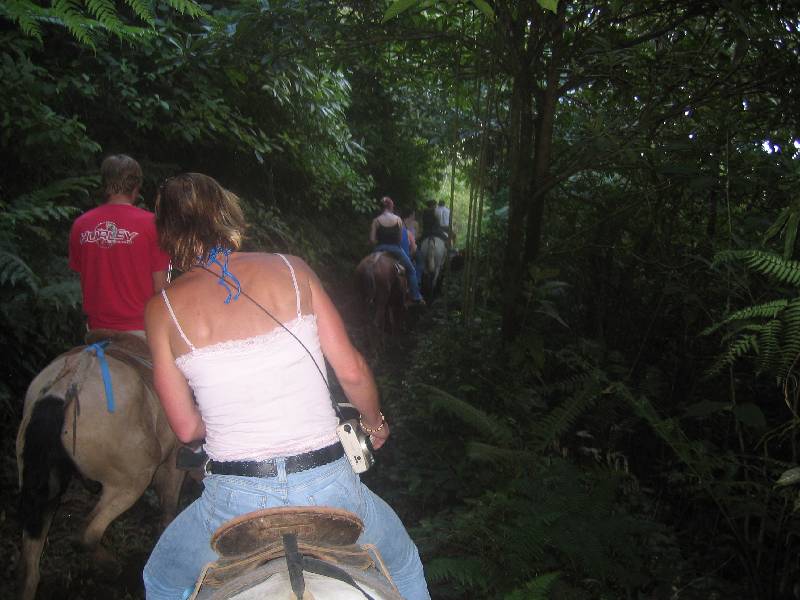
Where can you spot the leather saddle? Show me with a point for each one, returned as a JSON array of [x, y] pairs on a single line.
[[398, 266], [306, 536]]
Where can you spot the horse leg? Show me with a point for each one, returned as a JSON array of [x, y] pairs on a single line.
[[28, 572], [115, 500], [168, 482], [45, 470]]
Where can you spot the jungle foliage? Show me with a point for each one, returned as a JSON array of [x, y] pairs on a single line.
[[604, 403]]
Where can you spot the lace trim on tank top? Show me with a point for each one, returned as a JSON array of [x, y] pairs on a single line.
[[241, 343], [262, 339]]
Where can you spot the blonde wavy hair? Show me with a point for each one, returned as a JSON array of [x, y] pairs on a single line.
[[194, 214]]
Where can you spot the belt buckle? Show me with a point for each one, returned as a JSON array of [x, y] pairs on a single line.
[[205, 466]]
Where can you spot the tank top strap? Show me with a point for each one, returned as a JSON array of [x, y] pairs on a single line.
[[294, 282], [175, 320]]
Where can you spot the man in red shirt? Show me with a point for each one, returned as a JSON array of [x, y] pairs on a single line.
[[115, 249]]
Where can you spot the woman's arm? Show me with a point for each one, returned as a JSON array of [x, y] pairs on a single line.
[[373, 232], [351, 369], [171, 386]]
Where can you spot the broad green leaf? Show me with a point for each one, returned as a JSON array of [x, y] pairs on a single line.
[[705, 408], [791, 234], [551, 5], [777, 226], [482, 6], [397, 8], [789, 477]]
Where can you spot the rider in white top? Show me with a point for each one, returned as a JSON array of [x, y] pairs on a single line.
[[255, 364], [226, 372]]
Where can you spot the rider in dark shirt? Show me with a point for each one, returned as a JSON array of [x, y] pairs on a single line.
[[386, 234], [430, 224]]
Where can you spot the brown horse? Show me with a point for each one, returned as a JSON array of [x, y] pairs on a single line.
[[383, 286], [68, 424]]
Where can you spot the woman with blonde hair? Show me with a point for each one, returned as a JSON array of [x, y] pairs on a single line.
[[228, 374]]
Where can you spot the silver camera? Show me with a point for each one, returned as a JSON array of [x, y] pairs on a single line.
[[356, 445]]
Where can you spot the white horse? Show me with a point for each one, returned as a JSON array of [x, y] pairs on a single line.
[[433, 252]]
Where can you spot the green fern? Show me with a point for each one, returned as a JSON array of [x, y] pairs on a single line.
[[536, 589], [502, 456], [776, 267], [791, 334], [105, 12], [189, 8], [769, 343], [770, 330], [86, 19], [144, 10], [14, 271], [554, 424], [26, 15], [468, 572], [480, 420], [767, 310], [67, 13]]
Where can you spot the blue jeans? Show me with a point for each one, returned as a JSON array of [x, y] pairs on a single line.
[[397, 252], [183, 549]]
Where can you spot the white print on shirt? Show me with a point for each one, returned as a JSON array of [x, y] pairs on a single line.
[[106, 234]]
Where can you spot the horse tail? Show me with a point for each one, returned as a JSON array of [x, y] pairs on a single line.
[[369, 287], [46, 466]]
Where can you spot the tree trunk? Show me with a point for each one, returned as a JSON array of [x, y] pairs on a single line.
[[529, 177], [520, 142]]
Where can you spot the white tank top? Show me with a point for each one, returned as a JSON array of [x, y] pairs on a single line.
[[261, 397]]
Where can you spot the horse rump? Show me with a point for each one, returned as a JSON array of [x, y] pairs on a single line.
[[46, 466]]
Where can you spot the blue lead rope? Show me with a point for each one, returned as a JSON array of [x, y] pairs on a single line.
[[99, 351]]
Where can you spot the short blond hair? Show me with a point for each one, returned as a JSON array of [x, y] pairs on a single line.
[[120, 174], [194, 214]]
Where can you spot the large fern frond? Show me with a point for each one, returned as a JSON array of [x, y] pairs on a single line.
[[670, 431], [743, 345], [143, 9], [562, 417], [772, 265], [493, 454], [770, 357], [68, 14], [189, 8], [14, 270], [26, 15], [767, 310], [469, 572], [480, 420], [86, 19], [536, 589]]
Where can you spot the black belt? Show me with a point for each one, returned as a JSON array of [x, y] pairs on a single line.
[[268, 468]]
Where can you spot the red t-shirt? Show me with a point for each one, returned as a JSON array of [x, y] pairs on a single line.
[[115, 249]]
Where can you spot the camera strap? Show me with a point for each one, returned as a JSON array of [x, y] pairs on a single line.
[[289, 331]]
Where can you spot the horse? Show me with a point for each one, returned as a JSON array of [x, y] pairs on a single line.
[[117, 436], [294, 552], [433, 252], [383, 286]]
